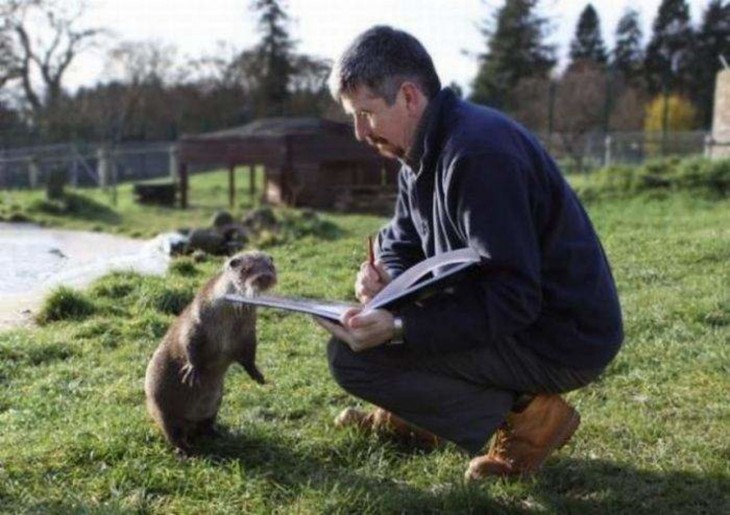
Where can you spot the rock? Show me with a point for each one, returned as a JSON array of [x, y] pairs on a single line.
[[222, 219], [261, 219], [199, 256], [172, 243], [235, 232], [207, 240]]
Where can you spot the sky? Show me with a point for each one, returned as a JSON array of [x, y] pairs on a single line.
[[449, 29]]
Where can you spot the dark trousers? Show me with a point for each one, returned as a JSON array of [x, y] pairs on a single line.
[[462, 397]]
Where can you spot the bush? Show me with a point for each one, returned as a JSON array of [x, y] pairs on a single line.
[[700, 175], [170, 300], [183, 266], [65, 303]]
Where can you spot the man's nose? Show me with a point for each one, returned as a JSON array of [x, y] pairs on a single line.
[[362, 129]]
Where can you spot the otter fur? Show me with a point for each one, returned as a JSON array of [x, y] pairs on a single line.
[[184, 380]]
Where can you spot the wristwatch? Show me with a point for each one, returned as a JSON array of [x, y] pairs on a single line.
[[398, 332]]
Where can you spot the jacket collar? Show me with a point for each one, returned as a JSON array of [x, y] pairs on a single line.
[[427, 135]]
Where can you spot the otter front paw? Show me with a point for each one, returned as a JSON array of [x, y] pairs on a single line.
[[189, 375]]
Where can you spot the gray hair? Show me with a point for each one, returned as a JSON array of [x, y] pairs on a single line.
[[383, 58]]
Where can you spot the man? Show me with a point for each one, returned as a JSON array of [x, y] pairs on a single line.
[[488, 355]]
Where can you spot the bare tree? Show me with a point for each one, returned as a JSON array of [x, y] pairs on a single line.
[[139, 62], [532, 101], [629, 110], [580, 108], [42, 39]]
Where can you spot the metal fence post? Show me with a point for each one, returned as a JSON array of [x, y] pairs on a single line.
[[607, 142], [103, 166], [174, 166], [708, 145], [33, 171]]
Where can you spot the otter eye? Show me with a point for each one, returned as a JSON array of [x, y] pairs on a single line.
[[235, 262]]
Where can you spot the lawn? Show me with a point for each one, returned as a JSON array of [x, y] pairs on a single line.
[[75, 437]]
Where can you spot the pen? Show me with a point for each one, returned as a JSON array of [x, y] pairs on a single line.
[[371, 251]]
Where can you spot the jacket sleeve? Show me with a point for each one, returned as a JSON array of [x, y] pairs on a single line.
[[399, 245], [488, 203]]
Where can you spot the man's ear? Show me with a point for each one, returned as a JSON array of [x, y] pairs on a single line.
[[414, 100]]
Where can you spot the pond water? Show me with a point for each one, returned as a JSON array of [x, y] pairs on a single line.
[[33, 260]]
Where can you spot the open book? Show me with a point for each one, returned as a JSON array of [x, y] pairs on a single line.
[[435, 273]]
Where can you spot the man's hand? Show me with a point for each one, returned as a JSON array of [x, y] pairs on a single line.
[[370, 280], [361, 331]]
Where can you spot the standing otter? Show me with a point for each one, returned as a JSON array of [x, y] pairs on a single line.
[[184, 380]]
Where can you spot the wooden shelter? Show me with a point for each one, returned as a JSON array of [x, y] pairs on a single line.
[[309, 162]]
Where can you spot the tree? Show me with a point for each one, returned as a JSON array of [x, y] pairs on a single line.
[[712, 41], [274, 55], [8, 63], [627, 113], [39, 64], [580, 107], [587, 44], [515, 51], [669, 52], [628, 55], [679, 112], [532, 103]]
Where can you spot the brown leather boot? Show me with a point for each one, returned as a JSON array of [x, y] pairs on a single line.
[[521, 445], [387, 424]]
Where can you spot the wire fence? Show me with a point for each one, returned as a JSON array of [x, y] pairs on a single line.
[[86, 165], [594, 150], [97, 165]]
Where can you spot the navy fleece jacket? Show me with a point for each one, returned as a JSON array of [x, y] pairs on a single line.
[[475, 178]]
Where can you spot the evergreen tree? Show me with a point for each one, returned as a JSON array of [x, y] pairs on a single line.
[[275, 59], [628, 55], [712, 41], [669, 52], [587, 45], [515, 50]]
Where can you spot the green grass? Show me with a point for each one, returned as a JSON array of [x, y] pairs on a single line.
[[92, 209], [75, 438]]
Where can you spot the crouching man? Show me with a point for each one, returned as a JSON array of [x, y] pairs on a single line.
[[490, 357]]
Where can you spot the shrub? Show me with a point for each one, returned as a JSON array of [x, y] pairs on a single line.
[[166, 299], [183, 266], [65, 303], [700, 175]]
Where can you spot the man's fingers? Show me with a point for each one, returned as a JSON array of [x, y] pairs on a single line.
[[339, 332], [383, 275]]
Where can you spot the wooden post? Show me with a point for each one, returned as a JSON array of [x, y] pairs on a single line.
[[231, 185], [252, 183], [183, 177]]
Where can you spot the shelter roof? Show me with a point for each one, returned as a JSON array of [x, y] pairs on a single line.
[[275, 127]]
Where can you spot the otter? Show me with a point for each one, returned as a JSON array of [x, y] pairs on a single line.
[[184, 379]]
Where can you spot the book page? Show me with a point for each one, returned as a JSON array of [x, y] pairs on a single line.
[[403, 282], [322, 308]]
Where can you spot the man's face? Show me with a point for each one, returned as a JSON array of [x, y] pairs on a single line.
[[387, 128]]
